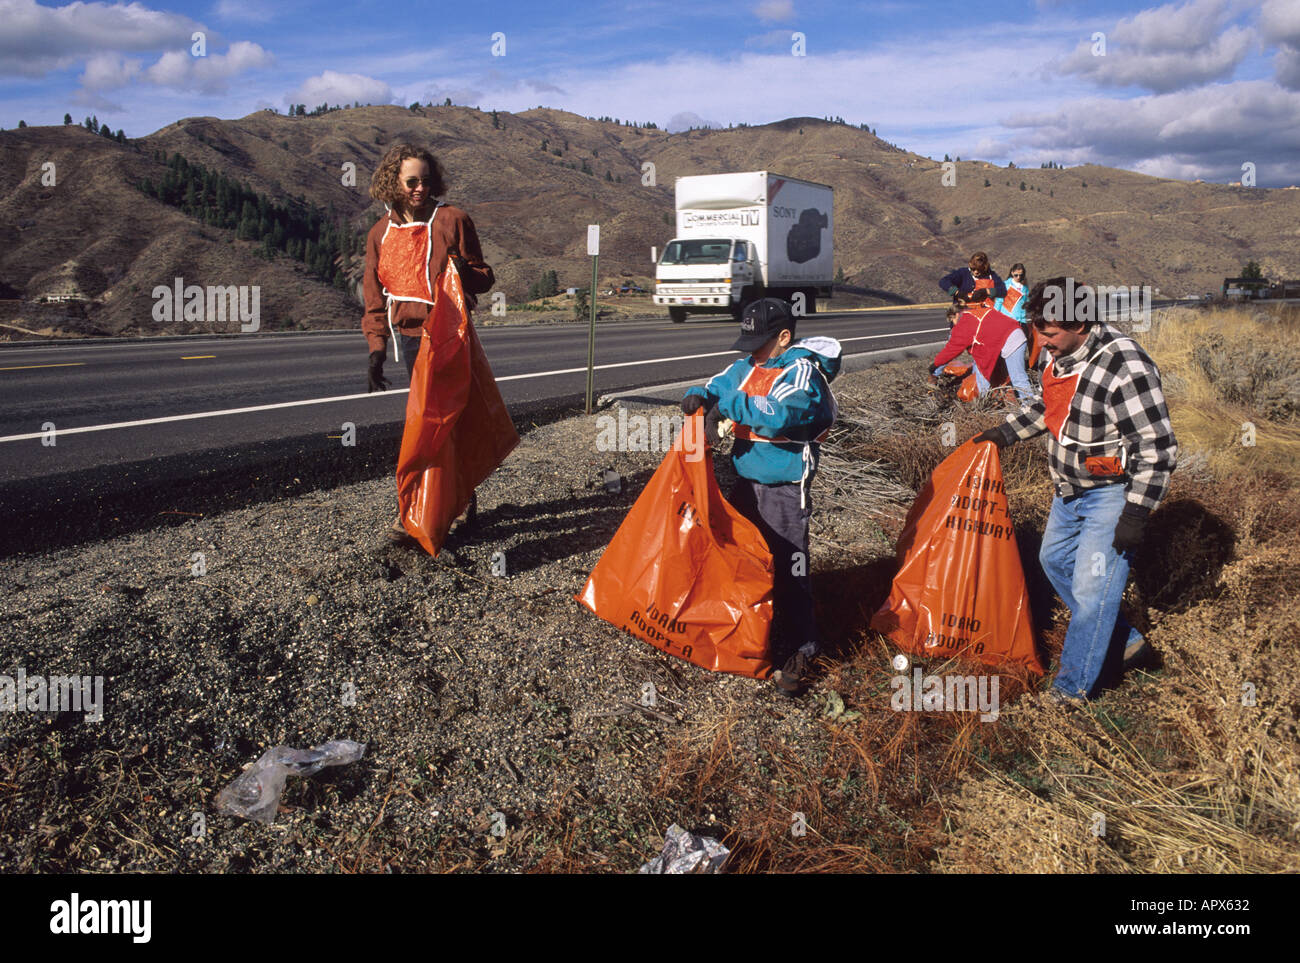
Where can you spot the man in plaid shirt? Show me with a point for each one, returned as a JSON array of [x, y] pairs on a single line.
[[1112, 450]]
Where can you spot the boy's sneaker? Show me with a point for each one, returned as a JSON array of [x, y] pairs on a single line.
[[791, 678]]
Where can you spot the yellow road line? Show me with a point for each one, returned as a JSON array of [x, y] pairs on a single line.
[[196, 357], [24, 367]]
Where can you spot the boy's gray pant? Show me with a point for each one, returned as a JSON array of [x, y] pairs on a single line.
[[775, 510]]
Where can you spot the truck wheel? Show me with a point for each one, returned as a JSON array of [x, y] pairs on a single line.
[[742, 302], [677, 315]]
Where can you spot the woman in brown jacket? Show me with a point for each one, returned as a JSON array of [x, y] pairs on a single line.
[[406, 251], [409, 246]]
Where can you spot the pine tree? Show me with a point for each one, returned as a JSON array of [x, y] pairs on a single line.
[[67, 119]]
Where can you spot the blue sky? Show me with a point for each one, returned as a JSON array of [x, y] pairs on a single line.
[[1190, 90]]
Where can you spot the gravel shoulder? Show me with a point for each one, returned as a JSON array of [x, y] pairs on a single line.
[[486, 701]]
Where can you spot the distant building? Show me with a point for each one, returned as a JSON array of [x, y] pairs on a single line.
[[1244, 289]]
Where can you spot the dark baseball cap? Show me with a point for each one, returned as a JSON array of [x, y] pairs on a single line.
[[762, 321]]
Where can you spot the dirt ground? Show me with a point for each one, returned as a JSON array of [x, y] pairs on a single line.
[[504, 723]]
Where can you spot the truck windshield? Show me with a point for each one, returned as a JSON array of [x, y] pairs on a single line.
[[707, 251]]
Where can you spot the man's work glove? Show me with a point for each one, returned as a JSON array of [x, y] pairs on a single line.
[[1001, 435], [376, 372], [1128, 532], [693, 403], [711, 422]]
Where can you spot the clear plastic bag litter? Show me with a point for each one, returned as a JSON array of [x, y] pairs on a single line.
[[255, 793]]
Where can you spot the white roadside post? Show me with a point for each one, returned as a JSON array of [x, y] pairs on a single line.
[[593, 249]]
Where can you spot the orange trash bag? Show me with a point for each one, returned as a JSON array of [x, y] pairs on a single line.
[[960, 589], [457, 427], [685, 571], [969, 390]]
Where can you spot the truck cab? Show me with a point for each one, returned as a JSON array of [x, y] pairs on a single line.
[[705, 276]]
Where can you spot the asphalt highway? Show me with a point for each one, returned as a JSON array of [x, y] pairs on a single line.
[[152, 428]]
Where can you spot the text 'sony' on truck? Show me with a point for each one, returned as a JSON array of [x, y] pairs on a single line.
[[746, 236]]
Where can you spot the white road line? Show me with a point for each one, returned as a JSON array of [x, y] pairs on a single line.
[[30, 436]]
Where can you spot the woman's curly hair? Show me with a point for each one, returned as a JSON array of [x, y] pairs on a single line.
[[384, 185]]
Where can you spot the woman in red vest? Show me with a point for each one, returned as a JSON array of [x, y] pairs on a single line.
[[406, 251]]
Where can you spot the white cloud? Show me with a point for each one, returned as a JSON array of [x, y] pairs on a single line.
[[107, 71], [1207, 133], [1286, 67], [775, 11], [210, 74], [36, 40], [1279, 23], [687, 119], [332, 87], [1162, 69], [1173, 27], [1164, 49]]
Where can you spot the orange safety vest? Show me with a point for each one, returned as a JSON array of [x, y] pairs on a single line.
[[403, 268], [757, 383], [1058, 395]]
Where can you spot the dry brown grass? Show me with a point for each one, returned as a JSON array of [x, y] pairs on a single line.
[[1174, 770]]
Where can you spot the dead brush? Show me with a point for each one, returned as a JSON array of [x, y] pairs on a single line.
[[1196, 768], [1232, 379]]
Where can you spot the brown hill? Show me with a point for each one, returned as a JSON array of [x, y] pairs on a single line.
[[896, 232]]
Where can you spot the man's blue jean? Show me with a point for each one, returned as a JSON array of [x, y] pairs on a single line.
[[1015, 363], [1089, 575]]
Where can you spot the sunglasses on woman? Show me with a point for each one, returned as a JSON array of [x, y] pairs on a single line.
[[410, 182]]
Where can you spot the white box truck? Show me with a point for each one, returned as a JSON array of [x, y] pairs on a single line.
[[746, 236]]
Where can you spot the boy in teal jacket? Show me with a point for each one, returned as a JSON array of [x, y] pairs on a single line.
[[780, 400]]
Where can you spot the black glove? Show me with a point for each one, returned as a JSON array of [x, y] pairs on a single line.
[[711, 422], [376, 372], [1000, 435], [693, 403], [462, 266], [1128, 531]]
